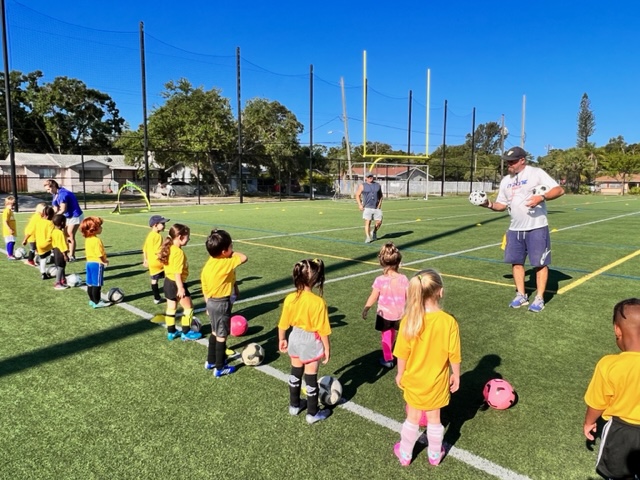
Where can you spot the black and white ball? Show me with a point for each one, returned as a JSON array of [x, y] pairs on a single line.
[[540, 190], [477, 197], [74, 280], [115, 295], [330, 390], [253, 354], [20, 253], [52, 271]]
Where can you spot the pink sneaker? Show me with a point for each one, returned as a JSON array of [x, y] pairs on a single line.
[[436, 460], [404, 460]]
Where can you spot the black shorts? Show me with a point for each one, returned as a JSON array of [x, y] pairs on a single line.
[[170, 288], [382, 325], [619, 455], [157, 276]]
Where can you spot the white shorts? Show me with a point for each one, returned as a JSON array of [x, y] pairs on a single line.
[[74, 220], [372, 214]]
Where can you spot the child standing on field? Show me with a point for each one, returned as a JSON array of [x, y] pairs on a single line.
[[176, 271], [390, 291], [9, 225], [428, 353], [308, 342], [150, 251], [96, 258], [60, 250], [44, 242], [218, 280], [30, 233], [614, 395]]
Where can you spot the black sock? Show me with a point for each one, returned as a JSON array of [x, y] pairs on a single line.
[[156, 291], [221, 356], [211, 350], [295, 383], [97, 291], [312, 393]]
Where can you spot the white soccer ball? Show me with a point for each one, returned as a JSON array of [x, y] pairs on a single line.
[[20, 253], [52, 271], [115, 295], [477, 197], [540, 190], [74, 280], [330, 390], [253, 354]]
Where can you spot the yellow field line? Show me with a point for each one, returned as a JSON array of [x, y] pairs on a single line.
[[589, 276]]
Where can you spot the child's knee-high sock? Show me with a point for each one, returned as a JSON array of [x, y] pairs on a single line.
[[98, 294], [388, 336], [312, 393], [170, 319], [295, 384], [435, 434], [186, 319], [211, 350], [156, 291], [43, 265], [10, 246], [221, 355], [32, 251], [408, 437], [60, 275]]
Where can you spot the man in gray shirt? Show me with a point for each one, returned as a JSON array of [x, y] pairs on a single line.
[[369, 198]]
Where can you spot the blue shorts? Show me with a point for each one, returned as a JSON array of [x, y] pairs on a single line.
[[533, 243], [95, 274]]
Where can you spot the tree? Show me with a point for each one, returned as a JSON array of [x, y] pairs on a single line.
[[586, 122], [622, 165], [487, 138]]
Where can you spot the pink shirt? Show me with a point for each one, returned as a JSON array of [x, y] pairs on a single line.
[[393, 295]]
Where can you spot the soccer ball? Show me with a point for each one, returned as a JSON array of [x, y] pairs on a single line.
[[540, 190], [115, 295], [253, 354], [196, 324], [74, 280], [477, 197], [330, 390], [20, 253], [239, 325], [52, 271], [499, 394]]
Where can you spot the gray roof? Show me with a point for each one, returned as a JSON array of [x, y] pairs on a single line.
[[54, 160]]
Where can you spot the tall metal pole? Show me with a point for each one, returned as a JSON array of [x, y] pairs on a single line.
[[502, 132], [409, 138], [524, 105], [145, 135], [311, 132], [473, 147], [239, 122], [84, 177], [7, 98], [346, 132], [444, 147]]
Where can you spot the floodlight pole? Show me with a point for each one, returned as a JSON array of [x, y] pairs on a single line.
[[84, 176], [7, 97], [239, 123]]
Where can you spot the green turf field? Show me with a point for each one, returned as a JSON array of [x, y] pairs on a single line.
[[92, 394]]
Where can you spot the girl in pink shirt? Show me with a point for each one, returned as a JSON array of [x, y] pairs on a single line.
[[390, 291]]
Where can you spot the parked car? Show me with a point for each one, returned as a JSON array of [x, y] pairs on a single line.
[[177, 188]]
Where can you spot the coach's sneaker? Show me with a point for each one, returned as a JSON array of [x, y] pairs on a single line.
[[405, 460], [537, 305], [227, 370], [368, 240], [174, 335], [296, 410], [519, 301], [321, 415], [191, 336], [374, 236]]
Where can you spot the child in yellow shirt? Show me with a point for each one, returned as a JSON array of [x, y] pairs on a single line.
[[60, 250], [96, 257], [9, 225], [150, 250], [30, 233]]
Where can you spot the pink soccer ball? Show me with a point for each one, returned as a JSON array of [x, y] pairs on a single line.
[[499, 394], [239, 325]]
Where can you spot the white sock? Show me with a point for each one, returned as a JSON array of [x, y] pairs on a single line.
[[435, 434], [408, 437]]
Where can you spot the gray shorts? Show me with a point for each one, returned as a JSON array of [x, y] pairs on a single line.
[[219, 311], [534, 243], [305, 346], [372, 214]]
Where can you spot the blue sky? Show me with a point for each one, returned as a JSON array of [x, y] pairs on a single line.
[[480, 54]]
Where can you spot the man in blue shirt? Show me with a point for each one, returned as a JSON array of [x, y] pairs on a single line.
[[65, 203]]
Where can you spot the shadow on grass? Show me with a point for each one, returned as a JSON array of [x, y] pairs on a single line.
[[32, 359], [364, 369], [389, 236]]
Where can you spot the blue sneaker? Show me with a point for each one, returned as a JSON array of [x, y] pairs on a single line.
[[173, 335], [191, 336], [91, 304], [321, 415], [519, 301], [209, 366], [101, 304], [537, 305], [227, 370], [296, 410]]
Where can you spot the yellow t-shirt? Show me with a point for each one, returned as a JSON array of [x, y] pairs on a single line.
[[94, 249], [219, 276], [44, 230], [59, 241], [307, 311], [615, 387], [151, 248], [8, 222], [177, 264], [426, 376], [30, 229]]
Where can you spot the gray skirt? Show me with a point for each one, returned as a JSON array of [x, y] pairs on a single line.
[[305, 346]]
